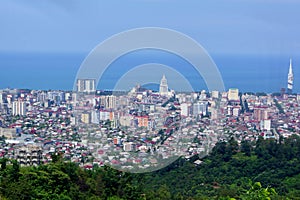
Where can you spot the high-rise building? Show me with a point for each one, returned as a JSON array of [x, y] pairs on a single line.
[[19, 108], [163, 87], [184, 107], [42, 96], [95, 117], [265, 125], [290, 79], [56, 96], [109, 102], [200, 108], [86, 85], [260, 113], [1, 98], [233, 94]]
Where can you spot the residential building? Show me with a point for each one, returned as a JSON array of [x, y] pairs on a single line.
[[19, 108]]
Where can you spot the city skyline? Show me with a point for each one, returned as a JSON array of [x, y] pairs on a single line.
[[149, 99], [88, 85], [126, 128]]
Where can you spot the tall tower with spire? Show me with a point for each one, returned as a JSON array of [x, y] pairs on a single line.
[[163, 87], [290, 79]]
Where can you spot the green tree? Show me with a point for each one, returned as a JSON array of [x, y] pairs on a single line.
[[257, 192], [3, 163], [163, 193], [246, 147]]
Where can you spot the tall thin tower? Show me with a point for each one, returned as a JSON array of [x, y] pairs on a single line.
[[290, 79]]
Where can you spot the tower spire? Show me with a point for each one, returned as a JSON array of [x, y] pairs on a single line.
[[290, 78], [291, 68]]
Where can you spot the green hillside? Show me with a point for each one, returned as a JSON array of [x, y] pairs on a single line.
[[267, 169]]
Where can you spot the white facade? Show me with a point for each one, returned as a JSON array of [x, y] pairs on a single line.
[[56, 96], [104, 115], [19, 108], [86, 85], [109, 102], [95, 117], [86, 118], [163, 88], [236, 111], [202, 95], [200, 108], [266, 124], [1, 98], [215, 94], [233, 94], [290, 78], [128, 146], [184, 109]]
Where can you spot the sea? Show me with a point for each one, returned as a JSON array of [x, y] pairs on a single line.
[[57, 71]]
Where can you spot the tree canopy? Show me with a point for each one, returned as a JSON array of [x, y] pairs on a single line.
[[265, 169]]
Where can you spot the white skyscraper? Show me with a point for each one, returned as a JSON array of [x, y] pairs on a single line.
[[95, 117], [109, 102], [163, 88], [290, 79], [86, 85], [19, 108], [1, 98], [200, 108]]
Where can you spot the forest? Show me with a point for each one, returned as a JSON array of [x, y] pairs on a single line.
[[264, 169]]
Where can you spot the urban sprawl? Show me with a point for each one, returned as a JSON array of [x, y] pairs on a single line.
[[136, 130]]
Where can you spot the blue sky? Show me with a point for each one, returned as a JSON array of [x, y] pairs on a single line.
[[223, 26], [265, 28]]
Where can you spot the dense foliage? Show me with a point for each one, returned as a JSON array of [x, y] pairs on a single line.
[[266, 169]]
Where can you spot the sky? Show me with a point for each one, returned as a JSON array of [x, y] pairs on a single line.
[[234, 27], [223, 26]]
